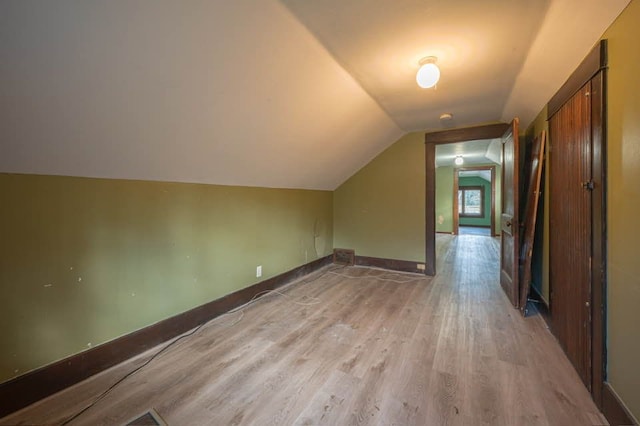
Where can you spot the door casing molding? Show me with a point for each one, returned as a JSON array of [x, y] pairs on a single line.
[[487, 131]]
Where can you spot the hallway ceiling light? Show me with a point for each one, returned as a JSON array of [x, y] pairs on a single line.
[[429, 73], [459, 160]]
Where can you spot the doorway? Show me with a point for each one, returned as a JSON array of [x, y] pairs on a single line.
[[432, 140], [474, 200]]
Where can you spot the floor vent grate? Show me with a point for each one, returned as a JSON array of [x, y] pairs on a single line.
[[150, 418], [344, 257]]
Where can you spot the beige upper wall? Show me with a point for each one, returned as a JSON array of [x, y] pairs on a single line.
[[380, 211], [84, 261], [623, 204], [223, 92]]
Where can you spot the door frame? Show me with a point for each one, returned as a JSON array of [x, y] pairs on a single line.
[[456, 177], [431, 139], [510, 213]]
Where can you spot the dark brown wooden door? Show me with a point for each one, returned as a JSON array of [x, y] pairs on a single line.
[[570, 228], [510, 244]]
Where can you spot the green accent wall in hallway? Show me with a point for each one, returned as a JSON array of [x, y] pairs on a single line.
[[485, 220]]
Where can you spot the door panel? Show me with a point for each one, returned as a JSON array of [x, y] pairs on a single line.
[[570, 229], [529, 216], [510, 243]]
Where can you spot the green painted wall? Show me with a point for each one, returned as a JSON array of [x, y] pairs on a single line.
[[623, 204], [83, 261], [485, 220], [444, 199], [380, 211]]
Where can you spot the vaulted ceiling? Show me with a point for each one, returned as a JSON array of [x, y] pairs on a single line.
[[498, 59], [291, 93], [480, 47]]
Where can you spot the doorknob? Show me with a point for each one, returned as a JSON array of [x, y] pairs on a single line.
[[589, 185], [508, 223]]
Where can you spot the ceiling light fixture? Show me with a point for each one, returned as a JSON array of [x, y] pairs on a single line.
[[459, 160], [429, 73]]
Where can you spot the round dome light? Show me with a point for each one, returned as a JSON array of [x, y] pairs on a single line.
[[428, 74]]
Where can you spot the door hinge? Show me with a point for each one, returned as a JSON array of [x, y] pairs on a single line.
[[588, 185]]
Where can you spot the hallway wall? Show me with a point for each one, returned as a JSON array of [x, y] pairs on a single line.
[[444, 199], [623, 268], [380, 210]]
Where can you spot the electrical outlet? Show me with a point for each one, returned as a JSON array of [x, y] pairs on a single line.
[[258, 271], [420, 266]]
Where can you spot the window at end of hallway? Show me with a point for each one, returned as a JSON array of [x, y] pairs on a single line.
[[471, 201]]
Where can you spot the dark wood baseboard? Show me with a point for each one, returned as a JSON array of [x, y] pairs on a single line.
[[24, 390], [613, 409], [393, 264]]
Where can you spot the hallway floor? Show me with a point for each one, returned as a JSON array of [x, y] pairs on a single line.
[[353, 345], [474, 230]]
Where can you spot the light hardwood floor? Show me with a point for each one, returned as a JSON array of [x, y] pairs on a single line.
[[353, 346]]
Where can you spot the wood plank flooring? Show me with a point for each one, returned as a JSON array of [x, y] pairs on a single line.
[[353, 346]]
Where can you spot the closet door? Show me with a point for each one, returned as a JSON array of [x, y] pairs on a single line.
[[571, 192]]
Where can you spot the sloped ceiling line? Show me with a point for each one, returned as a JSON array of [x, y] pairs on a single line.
[[232, 93], [275, 93]]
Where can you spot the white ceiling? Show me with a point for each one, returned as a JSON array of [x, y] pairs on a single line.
[[498, 59], [484, 174], [485, 151], [480, 46], [221, 92], [291, 93]]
